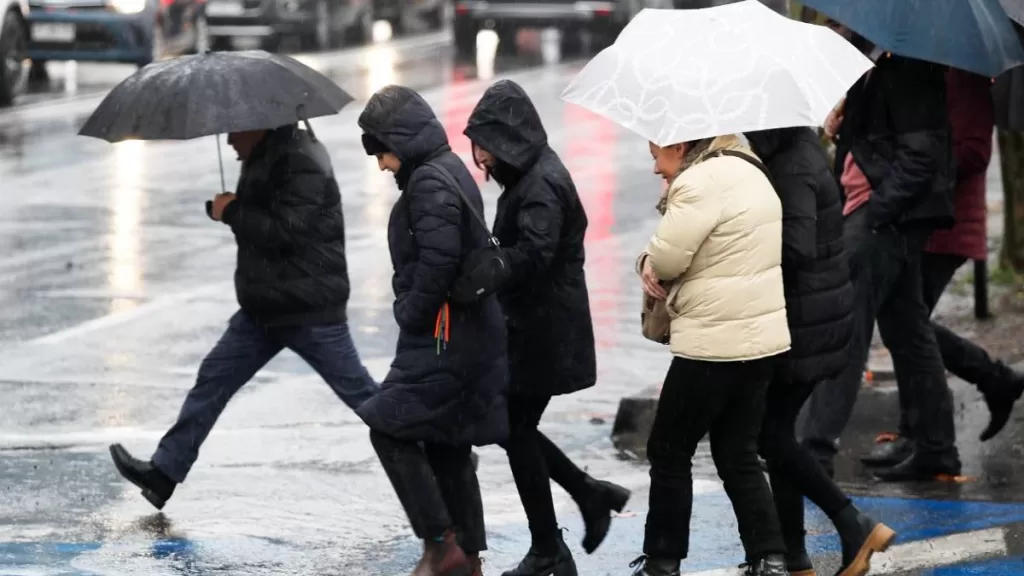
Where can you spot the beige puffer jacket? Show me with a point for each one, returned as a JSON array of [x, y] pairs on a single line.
[[719, 245]]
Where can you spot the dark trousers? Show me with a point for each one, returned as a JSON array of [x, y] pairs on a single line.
[[965, 359], [437, 487], [792, 469], [725, 400], [885, 270], [535, 461], [242, 351]]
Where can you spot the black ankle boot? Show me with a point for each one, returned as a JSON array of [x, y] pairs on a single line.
[[861, 537], [770, 565], [999, 398], [650, 566], [602, 498], [543, 563]]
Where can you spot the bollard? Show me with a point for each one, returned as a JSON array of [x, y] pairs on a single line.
[[981, 310], [633, 422]]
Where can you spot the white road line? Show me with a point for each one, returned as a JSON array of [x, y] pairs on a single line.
[[919, 554]]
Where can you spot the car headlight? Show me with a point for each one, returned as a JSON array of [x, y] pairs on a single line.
[[128, 6]]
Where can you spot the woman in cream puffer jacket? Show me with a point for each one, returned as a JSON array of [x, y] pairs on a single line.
[[716, 260]]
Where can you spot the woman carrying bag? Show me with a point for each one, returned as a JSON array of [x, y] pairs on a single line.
[[715, 262], [445, 391]]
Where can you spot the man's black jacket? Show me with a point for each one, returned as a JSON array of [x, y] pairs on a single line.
[[290, 232]]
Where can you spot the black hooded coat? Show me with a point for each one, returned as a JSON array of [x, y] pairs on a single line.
[[816, 279], [541, 225], [450, 393]]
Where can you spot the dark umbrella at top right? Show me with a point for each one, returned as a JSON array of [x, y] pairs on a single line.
[[973, 35]]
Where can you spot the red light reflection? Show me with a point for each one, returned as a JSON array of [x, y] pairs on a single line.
[[458, 105], [590, 155]]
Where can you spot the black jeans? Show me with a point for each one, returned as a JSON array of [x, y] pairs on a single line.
[[792, 469], [535, 461], [725, 399], [437, 487], [885, 270], [965, 359]]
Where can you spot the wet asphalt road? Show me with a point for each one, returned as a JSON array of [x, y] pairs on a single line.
[[115, 284]]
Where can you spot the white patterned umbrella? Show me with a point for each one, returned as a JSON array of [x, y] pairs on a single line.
[[680, 75]]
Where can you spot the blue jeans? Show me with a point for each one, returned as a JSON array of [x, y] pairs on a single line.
[[242, 351]]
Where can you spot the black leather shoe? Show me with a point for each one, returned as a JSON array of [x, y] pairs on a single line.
[[649, 566], [918, 468], [889, 452], [156, 486], [540, 564], [602, 498], [770, 565]]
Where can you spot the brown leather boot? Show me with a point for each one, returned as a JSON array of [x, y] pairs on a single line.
[[443, 558]]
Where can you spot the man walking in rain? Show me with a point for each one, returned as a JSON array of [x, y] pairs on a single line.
[[291, 283], [894, 161]]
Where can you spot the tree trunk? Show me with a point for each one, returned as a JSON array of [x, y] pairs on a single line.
[[1011, 153]]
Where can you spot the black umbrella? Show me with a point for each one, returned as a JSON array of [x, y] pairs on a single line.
[[213, 93]]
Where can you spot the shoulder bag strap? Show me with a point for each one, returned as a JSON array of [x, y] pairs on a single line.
[[458, 190], [743, 156]]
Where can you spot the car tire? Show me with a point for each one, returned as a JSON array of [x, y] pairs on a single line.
[[435, 18], [13, 52], [362, 31], [465, 32]]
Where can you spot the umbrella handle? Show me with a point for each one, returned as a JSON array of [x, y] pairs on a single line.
[[220, 163], [309, 129]]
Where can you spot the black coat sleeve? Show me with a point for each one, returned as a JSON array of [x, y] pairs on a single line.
[[434, 216], [539, 221], [298, 194], [915, 95], [799, 219]]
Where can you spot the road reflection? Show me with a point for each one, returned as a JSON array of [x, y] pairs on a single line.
[[125, 275]]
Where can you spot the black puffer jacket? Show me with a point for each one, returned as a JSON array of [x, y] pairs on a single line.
[[290, 232], [896, 125], [541, 225], [450, 393], [819, 296]]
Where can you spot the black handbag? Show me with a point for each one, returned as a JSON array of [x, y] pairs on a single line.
[[485, 270]]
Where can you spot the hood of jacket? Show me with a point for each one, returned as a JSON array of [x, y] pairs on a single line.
[[506, 124], [402, 120]]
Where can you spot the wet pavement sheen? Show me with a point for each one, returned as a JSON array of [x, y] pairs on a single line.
[[114, 285]]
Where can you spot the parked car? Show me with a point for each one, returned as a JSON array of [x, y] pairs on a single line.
[[315, 24], [130, 31], [13, 48], [398, 13], [602, 19]]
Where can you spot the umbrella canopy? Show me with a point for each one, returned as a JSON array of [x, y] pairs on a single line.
[[1015, 9], [679, 75], [213, 93], [972, 35]]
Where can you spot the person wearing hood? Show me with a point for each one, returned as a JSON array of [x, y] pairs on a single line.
[[541, 224], [292, 287], [445, 391], [715, 261], [819, 310]]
